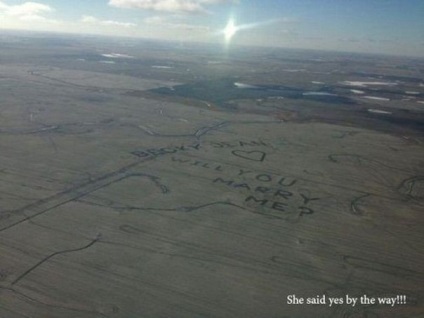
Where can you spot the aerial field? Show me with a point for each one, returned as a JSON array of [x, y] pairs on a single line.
[[244, 185]]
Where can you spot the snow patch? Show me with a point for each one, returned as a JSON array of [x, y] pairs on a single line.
[[117, 56], [294, 70], [365, 84], [242, 85], [318, 94], [377, 98], [162, 66], [378, 111]]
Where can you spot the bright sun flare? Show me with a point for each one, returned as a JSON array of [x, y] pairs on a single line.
[[230, 30]]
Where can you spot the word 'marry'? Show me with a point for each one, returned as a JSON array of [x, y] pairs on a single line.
[[275, 197]]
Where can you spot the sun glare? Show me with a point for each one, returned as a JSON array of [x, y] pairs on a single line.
[[230, 30]]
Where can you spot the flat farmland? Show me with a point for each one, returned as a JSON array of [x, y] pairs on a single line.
[[151, 184]]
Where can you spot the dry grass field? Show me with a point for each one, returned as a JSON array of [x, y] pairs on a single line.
[[123, 204]]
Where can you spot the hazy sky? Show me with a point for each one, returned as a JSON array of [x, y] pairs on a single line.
[[379, 26]]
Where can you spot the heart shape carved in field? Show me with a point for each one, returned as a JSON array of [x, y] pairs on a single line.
[[254, 155]]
